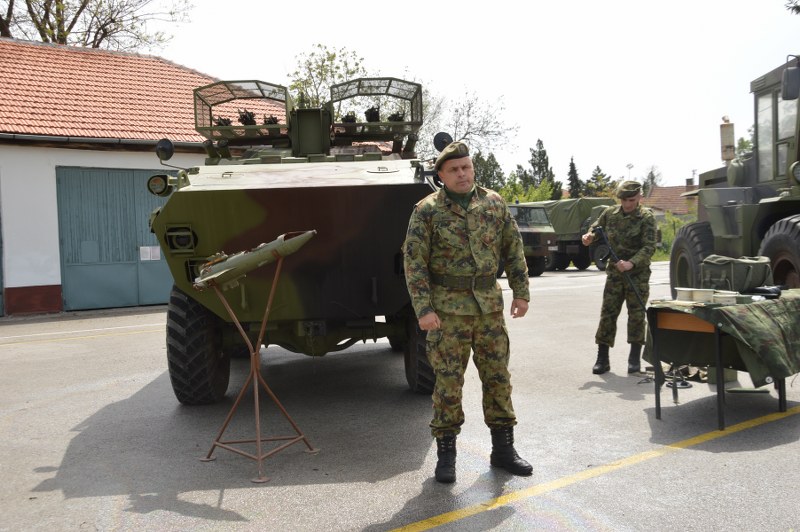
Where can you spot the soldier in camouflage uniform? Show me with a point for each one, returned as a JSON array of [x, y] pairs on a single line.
[[457, 237], [631, 232]]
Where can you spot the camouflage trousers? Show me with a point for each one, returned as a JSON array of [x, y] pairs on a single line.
[[617, 291], [448, 352]]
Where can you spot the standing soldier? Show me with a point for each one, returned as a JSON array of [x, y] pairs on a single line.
[[457, 237], [631, 232]]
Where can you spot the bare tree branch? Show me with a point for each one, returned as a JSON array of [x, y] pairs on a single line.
[[113, 24]]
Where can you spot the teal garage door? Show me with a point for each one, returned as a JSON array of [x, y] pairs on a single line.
[[109, 258]]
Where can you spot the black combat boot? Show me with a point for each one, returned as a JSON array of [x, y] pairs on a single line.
[[633, 359], [504, 455], [602, 365], [446, 466]]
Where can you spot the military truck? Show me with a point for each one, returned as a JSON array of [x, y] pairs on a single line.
[[537, 235], [570, 219], [274, 167], [751, 206]]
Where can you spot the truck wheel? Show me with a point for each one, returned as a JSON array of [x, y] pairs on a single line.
[[536, 266], [600, 255], [582, 260], [550, 262], [782, 245], [560, 261], [419, 372], [198, 368], [693, 243]]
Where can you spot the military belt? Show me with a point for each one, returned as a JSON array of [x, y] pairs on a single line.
[[461, 282]]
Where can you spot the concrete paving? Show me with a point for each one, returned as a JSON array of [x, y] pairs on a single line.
[[92, 438]]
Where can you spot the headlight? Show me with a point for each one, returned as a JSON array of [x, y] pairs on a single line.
[[158, 185]]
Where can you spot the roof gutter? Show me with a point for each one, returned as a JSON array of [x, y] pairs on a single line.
[[91, 140]]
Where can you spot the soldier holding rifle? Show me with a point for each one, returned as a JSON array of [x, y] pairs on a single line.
[[631, 233]]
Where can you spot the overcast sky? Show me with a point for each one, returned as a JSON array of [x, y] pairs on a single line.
[[609, 83]]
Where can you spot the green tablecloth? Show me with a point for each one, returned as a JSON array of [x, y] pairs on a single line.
[[762, 338]]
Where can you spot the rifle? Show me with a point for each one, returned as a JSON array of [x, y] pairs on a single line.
[[599, 230]]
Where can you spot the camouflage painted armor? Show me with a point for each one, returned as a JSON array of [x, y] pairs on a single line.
[[633, 238], [445, 239]]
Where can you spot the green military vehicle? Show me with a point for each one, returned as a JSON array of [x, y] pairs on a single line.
[[571, 218], [537, 235], [295, 170], [751, 206]]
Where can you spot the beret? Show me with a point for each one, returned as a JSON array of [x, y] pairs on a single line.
[[628, 189], [454, 150]]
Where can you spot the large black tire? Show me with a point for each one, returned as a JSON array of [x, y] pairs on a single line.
[[536, 266], [419, 372], [198, 368], [560, 261], [398, 342], [582, 260], [782, 245], [600, 256], [693, 243]]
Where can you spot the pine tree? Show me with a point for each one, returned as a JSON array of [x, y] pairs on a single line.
[[598, 184], [575, 185], [488, 172], [540, 163]]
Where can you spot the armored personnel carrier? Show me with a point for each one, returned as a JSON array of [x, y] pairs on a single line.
[[275, 167], [751, 206]]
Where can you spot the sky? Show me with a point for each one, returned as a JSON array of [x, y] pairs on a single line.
[[608, 84]]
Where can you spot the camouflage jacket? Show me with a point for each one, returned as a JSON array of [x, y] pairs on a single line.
[[631, 236], [445, 239]]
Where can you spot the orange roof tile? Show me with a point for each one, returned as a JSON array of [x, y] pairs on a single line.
[[670, 199], [60, 90]]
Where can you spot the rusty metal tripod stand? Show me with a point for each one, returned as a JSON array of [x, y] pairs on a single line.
[[255, 378]]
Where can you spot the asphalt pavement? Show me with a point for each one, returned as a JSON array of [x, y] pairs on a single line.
[[92, 437]]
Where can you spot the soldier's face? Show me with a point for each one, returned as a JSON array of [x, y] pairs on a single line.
[[630, 204], [458, 175]]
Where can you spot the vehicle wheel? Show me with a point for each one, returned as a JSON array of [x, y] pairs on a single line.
[[782, 245], [582, 260], [550, 262], [419, 372], [693, 243], [398, 340], [397, 344], [198, 368], [536, 266], [560, 261], [600, 255]]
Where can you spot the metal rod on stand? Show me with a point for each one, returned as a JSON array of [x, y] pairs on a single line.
[[256, 378]]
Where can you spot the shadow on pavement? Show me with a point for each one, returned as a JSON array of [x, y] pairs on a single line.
[[353, 406]]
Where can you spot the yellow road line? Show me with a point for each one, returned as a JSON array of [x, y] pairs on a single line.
[[67, 338], [540, 489]]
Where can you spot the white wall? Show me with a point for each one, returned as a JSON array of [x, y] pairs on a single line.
[[29, 209]]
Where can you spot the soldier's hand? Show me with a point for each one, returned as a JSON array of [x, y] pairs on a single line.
[[430, 321], [624, 265], [587, 239], [519, 307]]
